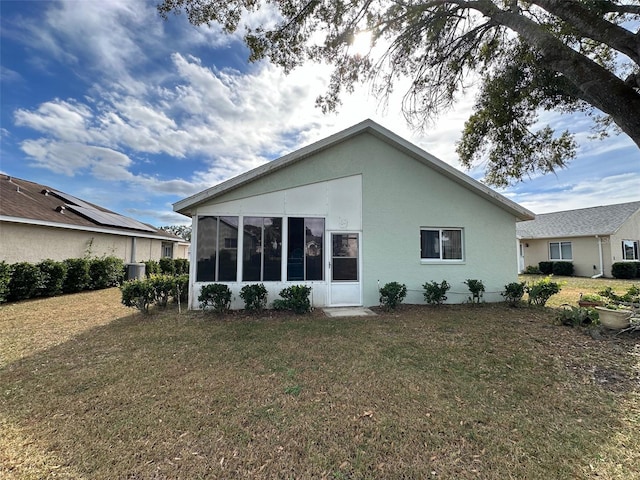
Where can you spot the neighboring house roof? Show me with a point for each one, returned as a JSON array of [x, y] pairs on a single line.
[[584, 222], [22, 201], [187, 205]]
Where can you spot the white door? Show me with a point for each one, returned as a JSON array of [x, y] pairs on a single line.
[[520, 258], [344, 267]]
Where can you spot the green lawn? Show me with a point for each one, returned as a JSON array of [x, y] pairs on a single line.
[[92, 390]]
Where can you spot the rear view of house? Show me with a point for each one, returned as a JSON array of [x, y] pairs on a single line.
[[348, 214], [38, 222], [592, 239]]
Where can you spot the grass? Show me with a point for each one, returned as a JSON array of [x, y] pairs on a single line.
[[91, 390]]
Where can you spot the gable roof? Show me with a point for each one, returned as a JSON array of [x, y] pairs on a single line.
[[187, 205], [584, 222], [22, 201]]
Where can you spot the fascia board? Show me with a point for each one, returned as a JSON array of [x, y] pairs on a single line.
[[66, 226]]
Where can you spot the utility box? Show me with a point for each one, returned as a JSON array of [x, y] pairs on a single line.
[[135, 271]]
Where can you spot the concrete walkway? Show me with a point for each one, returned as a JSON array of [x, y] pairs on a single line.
[[348, 312]]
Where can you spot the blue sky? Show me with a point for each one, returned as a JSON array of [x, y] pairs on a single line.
[[108, 102]]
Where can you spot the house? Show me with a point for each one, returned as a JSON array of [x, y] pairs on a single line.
[[38, 222], [592, 238], [348, 214]]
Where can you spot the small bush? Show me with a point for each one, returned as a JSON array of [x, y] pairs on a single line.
[[216, 295], [181, 266], [106, 272], [25, 282], [181, 288], [577, 316], [78, 277], [163, 288], [513, 293], [562, 268], [294, 298], [434, 293], [254, 296], [476, 287], [532, 270], [53, 274], [139, 294], [151, 267], [167, 266], [392, 294], [623, 270], [541, 291], [5, 278], [546, 268]]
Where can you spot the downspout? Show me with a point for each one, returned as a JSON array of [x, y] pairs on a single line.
[[598, 275], [133, 249]]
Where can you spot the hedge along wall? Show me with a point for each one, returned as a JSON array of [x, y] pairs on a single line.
[[48, 278]]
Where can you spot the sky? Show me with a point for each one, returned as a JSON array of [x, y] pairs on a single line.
[[108, 102]]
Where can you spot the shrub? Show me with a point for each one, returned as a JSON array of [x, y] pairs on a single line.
[[151, 267], [254, 296], [53, 274], [138, 293], [545, 268], [5, 278], [167, 266], [163, 288], [216, 295], [476, 287], [532, 270], [25, 282], [542, 290], [181, 266], [562, 268], [434, 293], [78, 277], [181, 288], [295, 298], [623, 270], [637, 269], [577, 316], [392, 294], [513, 293], [106, 272]]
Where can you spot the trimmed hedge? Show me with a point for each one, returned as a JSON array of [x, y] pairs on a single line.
[[78, 278], [556, 268], [53, 275], [48, 278], [25, 282], [5, 278], [562, 268], [624, 270]]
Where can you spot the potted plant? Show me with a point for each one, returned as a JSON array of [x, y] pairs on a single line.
[[590, 300], [614, 317]]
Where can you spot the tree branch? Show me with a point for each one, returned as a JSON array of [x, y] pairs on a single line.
[[594, 26]]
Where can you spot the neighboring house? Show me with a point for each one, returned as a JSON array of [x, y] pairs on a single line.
[[38, 222], [348, 214], [592, 238]]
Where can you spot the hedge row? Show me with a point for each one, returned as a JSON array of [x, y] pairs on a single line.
[[157, 289], [625, 270], [23, 280], [556, 268]]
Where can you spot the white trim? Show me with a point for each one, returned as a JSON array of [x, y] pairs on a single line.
[[43, 223]]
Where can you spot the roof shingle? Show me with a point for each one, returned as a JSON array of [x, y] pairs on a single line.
[[603, 220]]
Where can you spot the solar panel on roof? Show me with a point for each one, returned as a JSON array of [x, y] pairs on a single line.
[[109, 219], [70, 199]]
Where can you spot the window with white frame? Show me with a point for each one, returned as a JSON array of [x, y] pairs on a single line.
[[441, 244], [630, 249], [217, 249], [560, 251]]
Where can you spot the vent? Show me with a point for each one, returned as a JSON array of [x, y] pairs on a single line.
[[60, 209]]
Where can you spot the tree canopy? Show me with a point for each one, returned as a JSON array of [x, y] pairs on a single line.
[[527, 55]]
